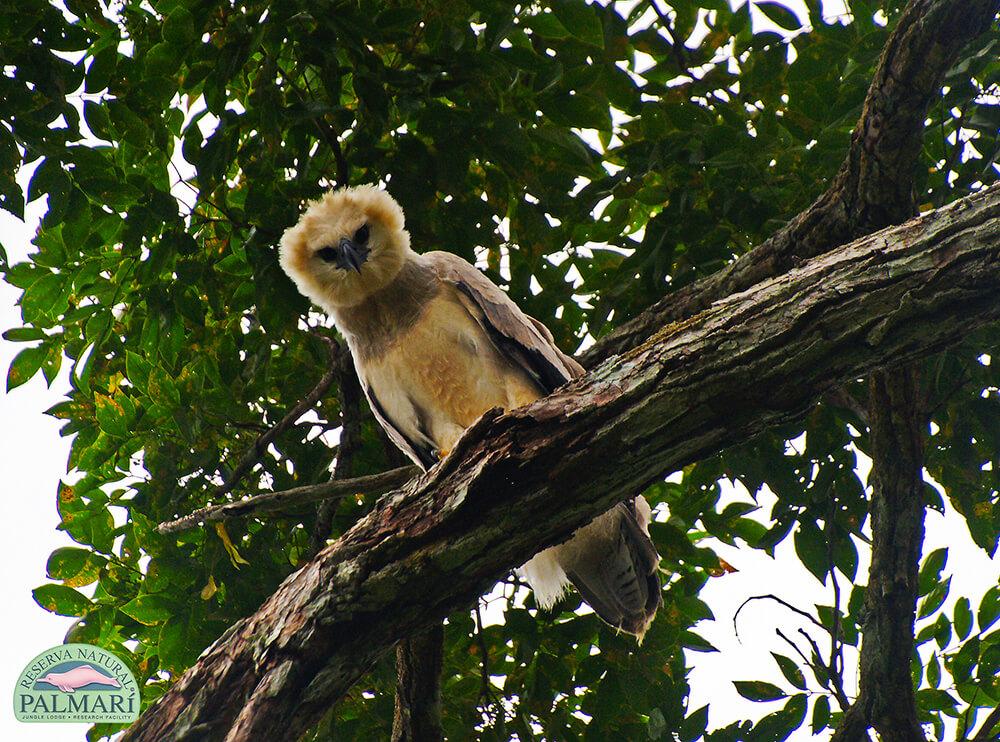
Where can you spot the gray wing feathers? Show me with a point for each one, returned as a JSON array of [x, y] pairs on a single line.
[[617, 573], [612, 561], [523, 340], [420, 451]]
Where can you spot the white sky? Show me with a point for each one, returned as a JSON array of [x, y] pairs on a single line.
[[33, 458]]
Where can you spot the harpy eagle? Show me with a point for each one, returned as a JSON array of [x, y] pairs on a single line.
[[436, 344]]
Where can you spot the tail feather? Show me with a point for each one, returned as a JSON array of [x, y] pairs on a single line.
[[614, 565]]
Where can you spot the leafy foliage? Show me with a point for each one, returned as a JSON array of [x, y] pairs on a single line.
[[593, 158]]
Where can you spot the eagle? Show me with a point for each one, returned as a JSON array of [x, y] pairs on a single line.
[[436, 344]]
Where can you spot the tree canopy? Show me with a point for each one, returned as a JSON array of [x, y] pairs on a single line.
[[594, 160]]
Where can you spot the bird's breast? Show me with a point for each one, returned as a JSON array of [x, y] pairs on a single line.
[[443, 373]]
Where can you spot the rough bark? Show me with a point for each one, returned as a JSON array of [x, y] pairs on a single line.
[[897, 513], [419, 659], [873, 187], [886, 697], [521, 481]]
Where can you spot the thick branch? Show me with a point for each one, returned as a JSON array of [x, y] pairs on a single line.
[[521, 481], [897, 513], [270, 502], [417, 715], [873, 188]]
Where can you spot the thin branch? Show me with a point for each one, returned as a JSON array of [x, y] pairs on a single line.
[[808, 616], [835, 628], [349, 389], [330, 136], [256, 452], [485, 687], [270, 502], [676, 45], [793, 645], [835, 677]]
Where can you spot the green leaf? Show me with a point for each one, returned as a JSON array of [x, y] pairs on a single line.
[[934, 599], [149, 609], [694, 725], [178, 27], [821, 714], [778, 726], [178, 647], [691, 640], [778, 14], [930, 572], [111, 415], [932, 699], [25, 365], [962, 618], [758, 690], [989, 608], [43, 300], [61, 599], [934, 671], [581, 20], [810, 545], [965, 660], [74, 566], [790, 670], [98, 120], [547, 25], [24, 334]]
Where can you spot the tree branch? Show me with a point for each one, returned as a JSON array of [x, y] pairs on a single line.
[[873, 188], [350, 443], [417, 713], [886, 698], [271, 502], [253, 455], [518, 482]]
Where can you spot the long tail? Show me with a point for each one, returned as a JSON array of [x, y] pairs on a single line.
[[611, 561]]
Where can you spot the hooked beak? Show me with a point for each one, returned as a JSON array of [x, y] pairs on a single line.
[[351, 255]]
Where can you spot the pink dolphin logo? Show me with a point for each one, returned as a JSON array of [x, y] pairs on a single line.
[[78, 677]]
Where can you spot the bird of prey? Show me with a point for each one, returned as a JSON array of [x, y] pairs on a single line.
[[436, 344]]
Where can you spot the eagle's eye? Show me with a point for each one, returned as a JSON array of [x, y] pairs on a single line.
[[361, 236], [327, 254]]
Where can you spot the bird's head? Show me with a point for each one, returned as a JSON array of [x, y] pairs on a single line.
[[346, 246]]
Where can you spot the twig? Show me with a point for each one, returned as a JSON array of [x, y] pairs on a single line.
[[256, 451], [835, 678], [326, 132], [269, 502], [835, 627], [778, 600], [794, 646], [485, 688], [676, 45]]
